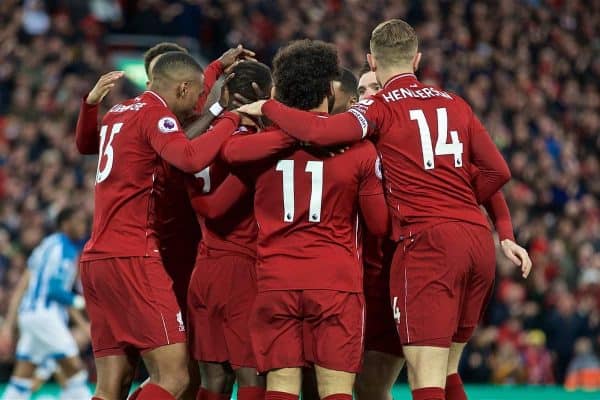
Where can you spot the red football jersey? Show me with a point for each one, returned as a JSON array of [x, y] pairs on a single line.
[[307, 209], [428, 140], [134, 136], [234, 230]]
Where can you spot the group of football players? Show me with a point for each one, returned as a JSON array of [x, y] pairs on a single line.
[[280, 246]]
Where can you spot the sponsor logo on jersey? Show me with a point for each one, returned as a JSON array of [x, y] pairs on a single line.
[[167, 125], [119, 108]]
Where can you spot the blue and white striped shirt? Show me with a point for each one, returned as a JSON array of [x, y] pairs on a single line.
[[53, 269]]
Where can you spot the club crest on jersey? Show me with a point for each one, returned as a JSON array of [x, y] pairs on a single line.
[[167, 125]]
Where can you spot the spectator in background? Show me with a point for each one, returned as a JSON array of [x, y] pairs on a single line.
[[530, 69], [537, 359], [584, 369]]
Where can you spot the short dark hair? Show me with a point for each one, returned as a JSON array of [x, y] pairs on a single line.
[[303, 71], [64, 215], [157, 50], [174, 62], [247, 72], [348, 81]]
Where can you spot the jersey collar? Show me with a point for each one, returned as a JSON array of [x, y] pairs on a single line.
[[399, 77], [157, 97]]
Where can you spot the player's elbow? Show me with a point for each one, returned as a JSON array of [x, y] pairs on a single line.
[[505, 174]]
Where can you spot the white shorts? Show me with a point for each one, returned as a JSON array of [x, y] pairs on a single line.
[[44, 335]]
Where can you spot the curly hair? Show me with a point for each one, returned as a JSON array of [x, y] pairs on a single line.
[[303, 71], [157, 50]]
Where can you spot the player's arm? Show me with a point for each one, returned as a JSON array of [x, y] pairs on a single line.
[[244, 148], [493, 170], [217, 203], [169, 141], [201, 124], [346, 127], [500, 215], [87, 139], [371, 200], [214, 70], [10, 320], [56, 292]]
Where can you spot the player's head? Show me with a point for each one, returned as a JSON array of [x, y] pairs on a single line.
[[345, 88], [72, 222], [367, 82], [303, 72], [177, 77], [394, 48], [151, 55], [247, 72]]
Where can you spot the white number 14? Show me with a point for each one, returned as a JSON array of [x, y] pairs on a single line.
[[442, 146]]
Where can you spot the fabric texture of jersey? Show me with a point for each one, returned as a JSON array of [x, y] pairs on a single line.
[[306, 207]]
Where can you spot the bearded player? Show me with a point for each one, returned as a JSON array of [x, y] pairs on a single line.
[[433, 197], [129, 296]]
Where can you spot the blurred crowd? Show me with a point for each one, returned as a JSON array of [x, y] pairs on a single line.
[[530, 69]]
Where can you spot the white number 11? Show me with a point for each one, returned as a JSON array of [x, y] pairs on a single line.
[[316, 196]]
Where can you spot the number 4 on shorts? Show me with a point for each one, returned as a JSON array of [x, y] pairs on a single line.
[[396, 309]]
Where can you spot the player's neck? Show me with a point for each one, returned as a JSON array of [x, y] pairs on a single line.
[[323, 107], [384, 75]]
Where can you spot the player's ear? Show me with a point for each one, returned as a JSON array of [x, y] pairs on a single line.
[[182, 89], [416, 61], [352, 101], [372, 62]]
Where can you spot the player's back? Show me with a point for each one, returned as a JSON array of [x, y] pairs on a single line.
[[52, 263], [306, 206], [235, 230], [124, 216], [425, 141]]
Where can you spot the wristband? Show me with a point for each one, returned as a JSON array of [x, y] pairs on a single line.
[[78, 302], [216, 109]]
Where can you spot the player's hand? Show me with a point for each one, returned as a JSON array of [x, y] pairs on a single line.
[[224, 99], [253, 109], [103, 86], [235, 54], [239, 100], [517, 255]]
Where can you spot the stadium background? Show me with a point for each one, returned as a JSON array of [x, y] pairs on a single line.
[[530, 69]]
